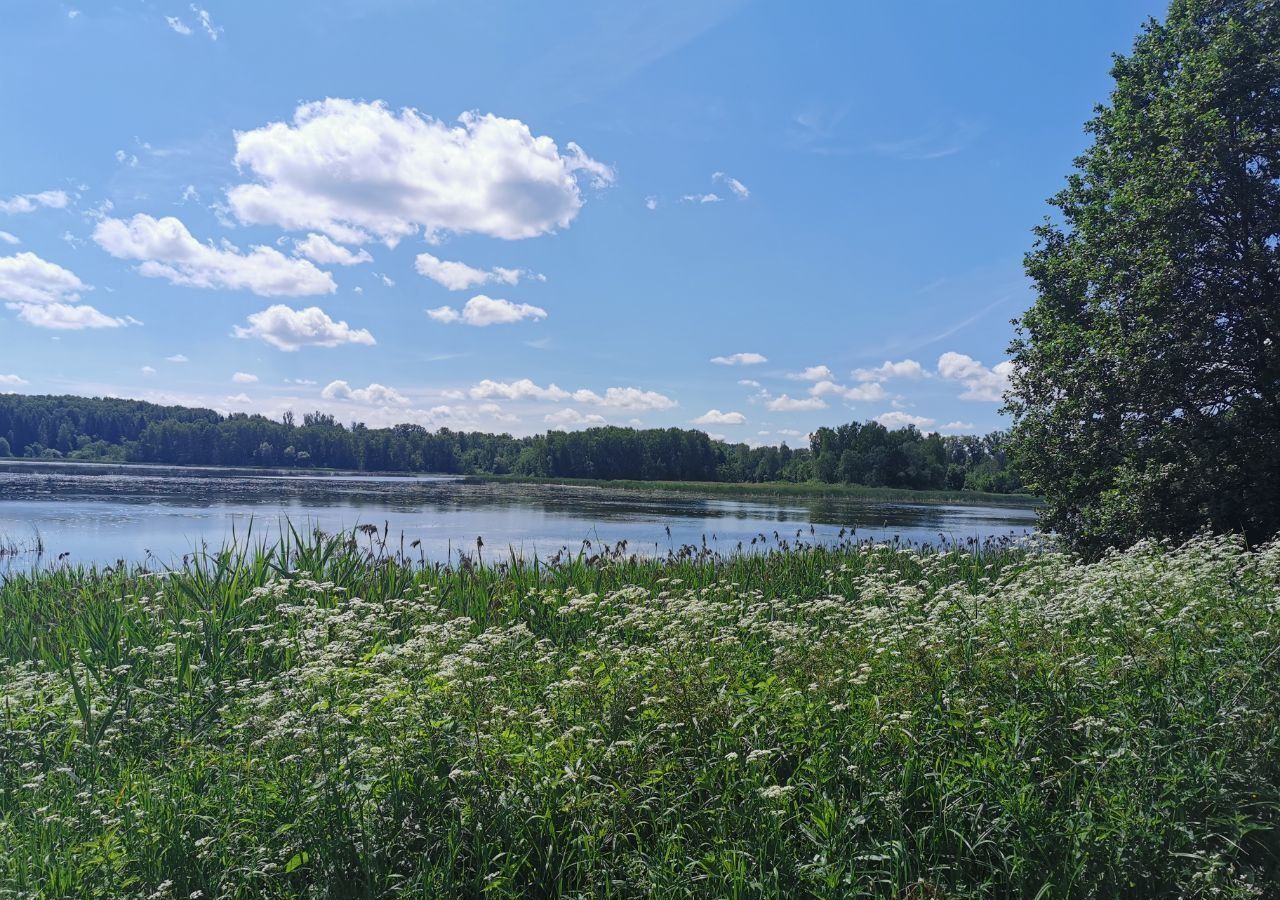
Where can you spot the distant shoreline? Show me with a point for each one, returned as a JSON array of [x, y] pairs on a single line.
[[775, 489], [109, 466]]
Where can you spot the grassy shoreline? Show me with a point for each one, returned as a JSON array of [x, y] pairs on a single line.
[[325, 717], [700, 488], [775, 489]]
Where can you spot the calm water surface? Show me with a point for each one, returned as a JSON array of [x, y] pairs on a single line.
[[101, 515]]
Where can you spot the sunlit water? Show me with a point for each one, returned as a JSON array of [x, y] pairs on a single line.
[[84, 514]]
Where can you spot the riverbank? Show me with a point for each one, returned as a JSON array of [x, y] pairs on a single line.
[[326, 717], [695, 488], [777, 489]]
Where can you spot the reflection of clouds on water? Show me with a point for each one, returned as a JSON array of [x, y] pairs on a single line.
[[106, 517]]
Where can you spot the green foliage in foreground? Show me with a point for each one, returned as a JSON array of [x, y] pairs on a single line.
[[314, 720]]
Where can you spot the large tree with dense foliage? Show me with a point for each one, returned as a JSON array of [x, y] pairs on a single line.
[[1146, 396]]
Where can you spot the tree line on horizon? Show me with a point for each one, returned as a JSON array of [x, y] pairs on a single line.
[[118, 430]]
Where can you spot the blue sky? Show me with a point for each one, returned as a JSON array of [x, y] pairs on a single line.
[[752, 217]]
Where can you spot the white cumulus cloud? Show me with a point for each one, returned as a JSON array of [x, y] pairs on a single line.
[[458, 276], [244, 378], [625, 398], [857, 393], [523, 389], [288, 329], [567, 418], [495, 412], [899, 419], [26, 278], [740, 359], [958, 426], [318, 248], [863, 392], [64, 316], [907, 368], [25, 203], [715, 417], [178, 25], [813, 373], [481, 311], [356, 170], [12, 381], [167, 250], [794, 404], [43, 294], [373, 395], [614, 398], [8, 238], [980, 383]]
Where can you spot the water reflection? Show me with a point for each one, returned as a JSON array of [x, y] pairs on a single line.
[[102, 515]]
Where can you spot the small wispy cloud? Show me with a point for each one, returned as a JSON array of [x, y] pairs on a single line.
[[815, 130], [206, 22], [740, 359], [203, 19], [739, 189], [934, 144]]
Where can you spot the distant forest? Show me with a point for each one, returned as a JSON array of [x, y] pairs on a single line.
[[105, 429]]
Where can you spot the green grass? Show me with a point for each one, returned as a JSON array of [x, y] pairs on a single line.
[[778, 489], [328, 718]]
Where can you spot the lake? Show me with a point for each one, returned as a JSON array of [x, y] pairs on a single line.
[[96, 514]]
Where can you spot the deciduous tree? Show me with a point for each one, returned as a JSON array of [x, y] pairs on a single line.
[[1146, 393]]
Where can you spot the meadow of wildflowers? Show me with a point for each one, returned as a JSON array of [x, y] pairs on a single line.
[[325, 718]]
